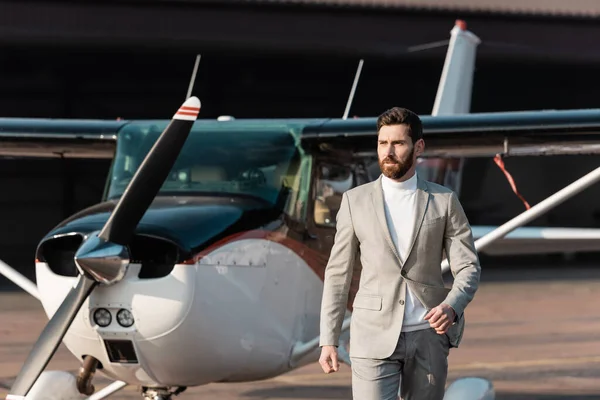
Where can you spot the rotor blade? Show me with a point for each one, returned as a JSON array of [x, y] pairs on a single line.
[[150, 175], [51, 337]]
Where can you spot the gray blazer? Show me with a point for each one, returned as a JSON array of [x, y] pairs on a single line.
[[378, 308]]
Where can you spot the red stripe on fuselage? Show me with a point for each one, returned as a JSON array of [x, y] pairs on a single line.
[[317, 261]]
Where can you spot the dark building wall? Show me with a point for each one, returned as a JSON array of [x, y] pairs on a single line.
[[134, 59], [35, 195], [78, 84]]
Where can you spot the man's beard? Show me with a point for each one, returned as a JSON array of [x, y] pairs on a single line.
[[397, 170]]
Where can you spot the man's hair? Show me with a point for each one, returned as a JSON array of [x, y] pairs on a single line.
[[402, 116]]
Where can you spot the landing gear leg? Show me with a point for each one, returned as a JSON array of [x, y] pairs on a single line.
[[86, 373], [161, 393]]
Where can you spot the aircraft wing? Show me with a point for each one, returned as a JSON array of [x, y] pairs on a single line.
[[37, 137], [521, 133], [541, 240], [485, 135]]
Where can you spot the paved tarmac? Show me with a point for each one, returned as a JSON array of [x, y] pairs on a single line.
[[534, 332]]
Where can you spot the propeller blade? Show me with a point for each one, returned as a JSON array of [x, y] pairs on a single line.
[[51, 337], [151, 175], [106, 261]]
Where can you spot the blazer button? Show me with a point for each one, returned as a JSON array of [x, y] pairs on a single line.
[[401, 302]]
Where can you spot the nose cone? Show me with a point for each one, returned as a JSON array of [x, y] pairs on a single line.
[[106, 262]]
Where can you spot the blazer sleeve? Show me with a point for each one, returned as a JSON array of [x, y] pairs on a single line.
[[462, 257], [338, 276]]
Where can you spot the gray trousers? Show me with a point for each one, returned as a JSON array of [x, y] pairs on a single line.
[[420, 360]]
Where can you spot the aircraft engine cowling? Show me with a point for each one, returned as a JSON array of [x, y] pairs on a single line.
[[193, 320], [156, 256]]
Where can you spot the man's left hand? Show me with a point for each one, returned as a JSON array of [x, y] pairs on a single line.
[[441, 318]]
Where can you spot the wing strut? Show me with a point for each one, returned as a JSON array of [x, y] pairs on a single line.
[[19, 280], [107, 391], [542, 207]]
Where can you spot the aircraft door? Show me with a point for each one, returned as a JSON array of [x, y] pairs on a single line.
[[330, 181]]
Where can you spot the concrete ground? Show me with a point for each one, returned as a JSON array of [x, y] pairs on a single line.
[[535, 332]]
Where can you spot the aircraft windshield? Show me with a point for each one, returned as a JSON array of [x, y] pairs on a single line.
[[216, 159]]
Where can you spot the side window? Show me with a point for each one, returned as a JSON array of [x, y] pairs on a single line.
[[331, 182]]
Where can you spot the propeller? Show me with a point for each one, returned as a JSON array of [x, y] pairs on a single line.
[[104, 257]]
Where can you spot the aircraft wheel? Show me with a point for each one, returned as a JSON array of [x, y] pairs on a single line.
[[470, 388]]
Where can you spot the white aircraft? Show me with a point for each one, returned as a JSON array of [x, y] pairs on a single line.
[[204, 261]]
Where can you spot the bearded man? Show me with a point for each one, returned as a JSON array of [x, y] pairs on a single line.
[[400, 227]]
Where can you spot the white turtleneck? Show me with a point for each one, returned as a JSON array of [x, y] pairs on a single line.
[[400, 208]]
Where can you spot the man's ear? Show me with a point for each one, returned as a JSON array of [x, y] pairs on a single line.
[[419, 147]]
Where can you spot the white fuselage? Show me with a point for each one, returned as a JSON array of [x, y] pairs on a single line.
[[234, 315]]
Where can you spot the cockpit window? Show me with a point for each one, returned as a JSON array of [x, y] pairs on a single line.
[[216, 159], [331, 183]]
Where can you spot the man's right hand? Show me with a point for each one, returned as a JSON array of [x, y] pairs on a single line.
[[329, 359]]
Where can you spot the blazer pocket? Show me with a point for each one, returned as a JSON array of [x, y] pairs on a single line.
[[431, 296], [367, 302], [431, 221]]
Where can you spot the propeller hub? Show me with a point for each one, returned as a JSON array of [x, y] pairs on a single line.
[[104, 261]]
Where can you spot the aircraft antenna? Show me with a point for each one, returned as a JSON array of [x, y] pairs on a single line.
[[356, 77], [191, 86]]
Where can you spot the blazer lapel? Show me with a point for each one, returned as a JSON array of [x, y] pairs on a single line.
[[422, 201], [379, 207]]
